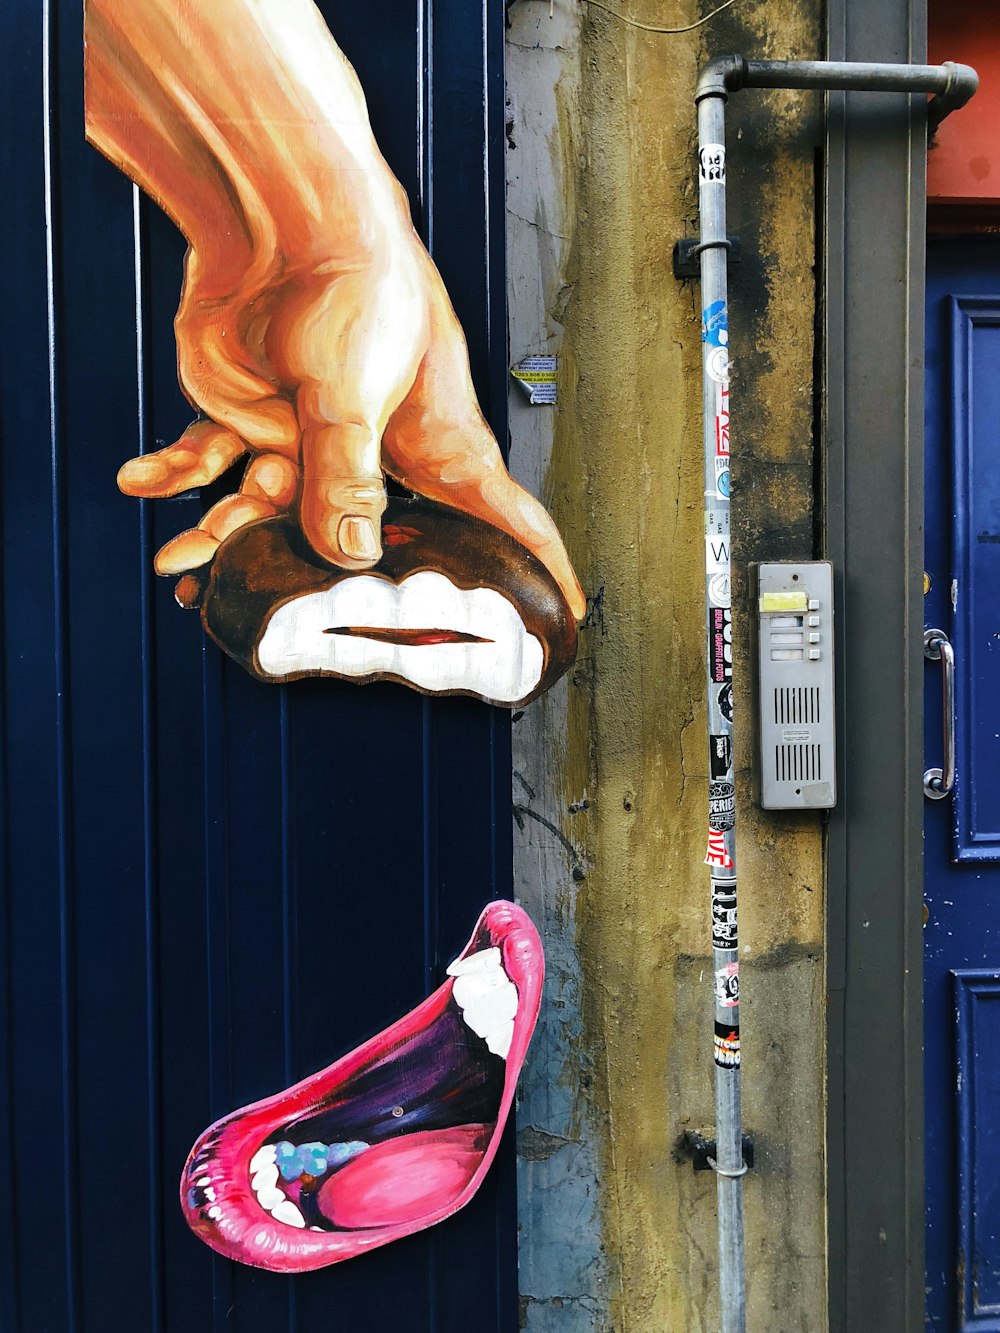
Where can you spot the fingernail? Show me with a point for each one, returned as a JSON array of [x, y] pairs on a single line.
[[356, 536]]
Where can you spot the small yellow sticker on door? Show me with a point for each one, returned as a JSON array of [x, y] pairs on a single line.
[[537, 377]]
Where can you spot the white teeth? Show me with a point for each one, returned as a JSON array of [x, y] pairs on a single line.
[[262, 1157], [287, 1212], [210, 1194], [269, 1197], [476, 962], [215, 1212], [486, 1004], [264, 1180], [499, 1041], [487, 998], [203, 1180]]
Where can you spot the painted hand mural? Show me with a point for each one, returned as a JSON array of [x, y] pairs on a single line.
[[316, 340], [317, 343], [394, 1137]]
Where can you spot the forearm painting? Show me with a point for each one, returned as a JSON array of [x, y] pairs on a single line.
[[317, 343]]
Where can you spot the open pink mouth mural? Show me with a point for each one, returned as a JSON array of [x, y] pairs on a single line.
[[393, 1137]]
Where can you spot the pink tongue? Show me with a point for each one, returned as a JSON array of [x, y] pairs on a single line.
[[404, 1179]]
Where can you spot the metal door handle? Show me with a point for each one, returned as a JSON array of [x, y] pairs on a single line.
[[938, 783]]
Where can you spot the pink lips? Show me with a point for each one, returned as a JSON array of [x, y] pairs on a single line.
[[404, 1181]]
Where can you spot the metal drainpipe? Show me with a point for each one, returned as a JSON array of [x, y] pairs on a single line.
[[953, 85]]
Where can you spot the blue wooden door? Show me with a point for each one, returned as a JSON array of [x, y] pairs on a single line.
[[211, 887], [962, 832]]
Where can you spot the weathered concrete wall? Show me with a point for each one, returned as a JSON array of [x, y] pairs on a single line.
[[611, 768]]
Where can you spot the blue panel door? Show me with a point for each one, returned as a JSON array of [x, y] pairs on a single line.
[[210, 887], [962, 832]]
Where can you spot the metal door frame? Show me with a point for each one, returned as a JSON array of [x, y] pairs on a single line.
[[872, 475]]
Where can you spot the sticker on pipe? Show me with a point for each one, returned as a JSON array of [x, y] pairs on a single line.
[[717, 521], [717, 365], [715, 324], [720, 638], [717, 554], [717, 855], [722, 805], [715, 336], [720, 757], [722, 478], [727, 986], [724, 925], [722, 422], [725, 701], [712, 163], [719, 593], [727, 1045]]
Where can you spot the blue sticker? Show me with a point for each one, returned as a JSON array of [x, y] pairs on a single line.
[[722, 483], [715, 324]]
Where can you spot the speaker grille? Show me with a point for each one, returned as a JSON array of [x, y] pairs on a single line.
[[796, 704], [798, 763]]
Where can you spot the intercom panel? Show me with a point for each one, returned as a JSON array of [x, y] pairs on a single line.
[[795, 734]]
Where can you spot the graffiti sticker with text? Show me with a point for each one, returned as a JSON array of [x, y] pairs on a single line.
[[720, 757], [722, 422], [727, 1045], [717, 555], [720, 637], [724, 927], [717, 855], [722, 805]]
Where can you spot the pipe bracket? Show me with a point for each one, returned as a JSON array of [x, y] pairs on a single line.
[[688, 248], [699, 1148], [728, 1175]]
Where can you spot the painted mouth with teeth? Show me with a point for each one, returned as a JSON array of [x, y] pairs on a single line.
[[454, 606], [393, 1137]]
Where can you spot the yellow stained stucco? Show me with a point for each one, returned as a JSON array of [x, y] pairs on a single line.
[[624, 775]]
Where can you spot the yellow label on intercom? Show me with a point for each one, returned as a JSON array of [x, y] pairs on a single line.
[[783, 601]]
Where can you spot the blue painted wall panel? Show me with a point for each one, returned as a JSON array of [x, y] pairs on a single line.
[[210, 887]]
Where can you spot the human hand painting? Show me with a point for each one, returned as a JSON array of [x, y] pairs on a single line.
[[314, 332]]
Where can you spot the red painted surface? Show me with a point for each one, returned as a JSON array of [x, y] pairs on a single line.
[[964, 167]]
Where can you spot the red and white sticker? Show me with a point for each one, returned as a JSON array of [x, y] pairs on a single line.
[[722, 422], [727, 986], [717, 854]]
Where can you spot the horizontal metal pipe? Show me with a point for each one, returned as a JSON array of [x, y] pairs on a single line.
[[855, 74], [954, 84]]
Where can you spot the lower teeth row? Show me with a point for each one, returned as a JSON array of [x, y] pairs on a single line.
[[264, 1180]]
